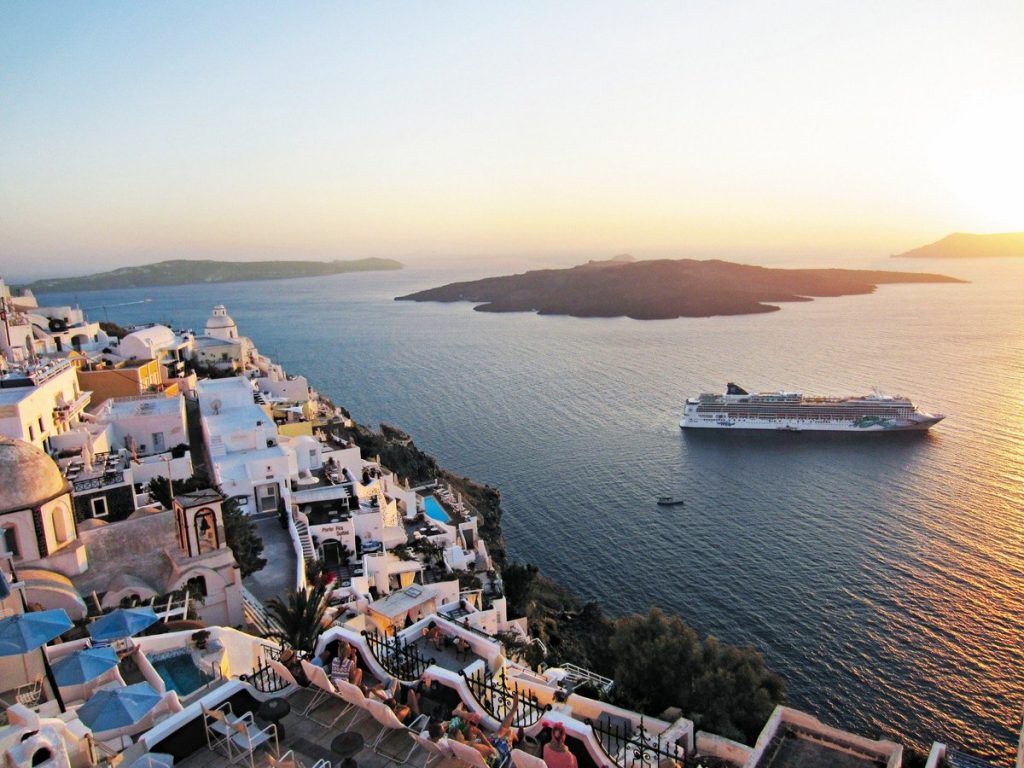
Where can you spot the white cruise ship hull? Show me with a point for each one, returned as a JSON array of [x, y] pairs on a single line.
[[812, 425], [793, 412]]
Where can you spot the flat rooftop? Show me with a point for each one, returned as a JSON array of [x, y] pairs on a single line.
[[798, 749], [121, 407]]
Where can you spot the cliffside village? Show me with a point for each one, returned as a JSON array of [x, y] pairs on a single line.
[[93, 425]]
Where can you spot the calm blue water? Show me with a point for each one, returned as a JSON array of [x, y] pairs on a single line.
[[180, 673], [433, 509], [882, 575]]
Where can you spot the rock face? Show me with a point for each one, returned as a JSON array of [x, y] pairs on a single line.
[[189, 272], [663, 289], [961, 245]]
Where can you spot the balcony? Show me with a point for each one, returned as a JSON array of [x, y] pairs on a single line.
[[106, 469], [68, 411]]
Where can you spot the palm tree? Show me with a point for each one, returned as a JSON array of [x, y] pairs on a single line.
[[301, 617]]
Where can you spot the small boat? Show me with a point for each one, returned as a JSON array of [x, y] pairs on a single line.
[[669, 501]]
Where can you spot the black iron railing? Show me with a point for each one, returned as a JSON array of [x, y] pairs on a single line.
[[496, 696], [399, 658], [630, 746], [263, 678]]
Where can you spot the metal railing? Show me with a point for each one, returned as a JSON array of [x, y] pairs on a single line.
[[635, 747], [496, 697], [400, 659], [263, 678], [579, 676]]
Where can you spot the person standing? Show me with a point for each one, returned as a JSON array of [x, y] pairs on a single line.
[[556, 754]]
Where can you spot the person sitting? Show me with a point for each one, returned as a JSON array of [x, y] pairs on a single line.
[[462, 646], [556, 753], [346, 667], [496, 750], [434, 634], [404, 700], [504, 738], [326, 656], [293, 664]]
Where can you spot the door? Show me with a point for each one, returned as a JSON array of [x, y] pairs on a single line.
[[266, 497], [158, 442]]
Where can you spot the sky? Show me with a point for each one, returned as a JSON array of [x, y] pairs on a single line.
[[476, 131]]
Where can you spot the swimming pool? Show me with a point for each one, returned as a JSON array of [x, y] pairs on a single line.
[[434, 510], [179, 672]]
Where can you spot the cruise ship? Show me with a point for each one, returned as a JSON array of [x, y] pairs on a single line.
[[794, 412]]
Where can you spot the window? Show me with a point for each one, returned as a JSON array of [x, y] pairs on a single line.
[[196, 586], [41, 427], [61, 524], [31, 433], [207, 536], [9, 541], [99, 506]]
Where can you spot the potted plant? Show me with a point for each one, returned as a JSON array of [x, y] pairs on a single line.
[[199, 639]]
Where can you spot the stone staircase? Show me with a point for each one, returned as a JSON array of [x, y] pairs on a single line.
[[256, 615], [308, 552], [217, 447]]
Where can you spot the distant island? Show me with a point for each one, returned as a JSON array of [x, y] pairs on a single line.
[[962, 245], [189, 272], [663, 289]]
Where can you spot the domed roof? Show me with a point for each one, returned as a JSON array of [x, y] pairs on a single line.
[[28, 477], [220, 318]]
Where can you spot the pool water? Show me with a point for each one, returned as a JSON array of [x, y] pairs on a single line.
[[180, 673], [434, 509]]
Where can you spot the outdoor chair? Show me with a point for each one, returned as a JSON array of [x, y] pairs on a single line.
[[522, 759], [436, 751], [326, 691], [289, 760], [391, 726], [286, 675], [466, 754], [30, 694], [217, 723], [355, 697], [246, 738]]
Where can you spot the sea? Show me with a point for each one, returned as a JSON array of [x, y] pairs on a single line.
[[881, 575]]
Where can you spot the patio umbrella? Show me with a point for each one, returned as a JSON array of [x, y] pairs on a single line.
[[153, 760], [24, 632], [118, 707], [84, 665], [124, 622]]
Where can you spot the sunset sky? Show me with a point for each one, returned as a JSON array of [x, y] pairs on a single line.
[[133, 132]]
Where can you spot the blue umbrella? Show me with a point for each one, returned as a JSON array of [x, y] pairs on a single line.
[[25, 632], [84, 665], [124, 622], [118, 707]]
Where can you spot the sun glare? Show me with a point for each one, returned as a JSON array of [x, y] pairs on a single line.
[[983, 167]]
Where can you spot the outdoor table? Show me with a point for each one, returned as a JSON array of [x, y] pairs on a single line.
[[274, 711], [347, 745]]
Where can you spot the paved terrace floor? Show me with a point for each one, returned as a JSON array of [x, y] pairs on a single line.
[[446, 657], [278, 575], [311, 741], [791, 751]]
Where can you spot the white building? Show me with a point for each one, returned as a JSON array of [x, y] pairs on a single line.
[[221, 346], [242, 443], [157, 342], [145, 425], [28, 330], [40, 401]]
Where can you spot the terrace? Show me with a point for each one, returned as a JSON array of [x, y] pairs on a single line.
[[104, 470], [793, 749]]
